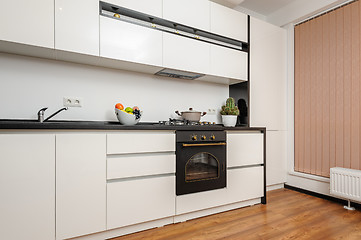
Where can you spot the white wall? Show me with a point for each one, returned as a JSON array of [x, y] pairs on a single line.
[[28, 84], [301, 9]]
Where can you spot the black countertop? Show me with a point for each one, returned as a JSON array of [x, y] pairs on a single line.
[[100, 125]]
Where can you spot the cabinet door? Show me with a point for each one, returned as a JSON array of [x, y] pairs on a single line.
[[77, 26], [28, 22], [141, 200], [188, 12], [244, 149], [268, 85], [245, 184], [130, 42], [228, 22], [27, 186], [185, 54], [80, 184], [276, 152], [151, 7], [229, 63]]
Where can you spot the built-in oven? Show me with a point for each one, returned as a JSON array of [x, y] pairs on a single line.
[[200, 161]]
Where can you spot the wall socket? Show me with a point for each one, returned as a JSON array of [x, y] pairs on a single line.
[[72, 101], [211, 111]]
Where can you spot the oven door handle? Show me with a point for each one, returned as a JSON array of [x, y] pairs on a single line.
[[204, 144]]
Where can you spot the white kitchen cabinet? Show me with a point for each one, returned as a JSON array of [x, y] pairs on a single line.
[[28, 22], [27, 186], [80, 184], [229, 63], [245, 183], [229, 23], [140, 200], [188, 12], [135, 165], [130, 42], [276, 152], [242, 184], [77, 26], [268, 85], [146, 142], [151, 7], [185, 54], [244, 149]]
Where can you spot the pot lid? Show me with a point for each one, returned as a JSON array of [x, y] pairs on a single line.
[[191, 111]]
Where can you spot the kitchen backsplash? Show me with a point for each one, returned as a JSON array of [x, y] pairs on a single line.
[[28, 84]]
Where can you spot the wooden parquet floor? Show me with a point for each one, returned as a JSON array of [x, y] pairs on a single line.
[[287, 215]]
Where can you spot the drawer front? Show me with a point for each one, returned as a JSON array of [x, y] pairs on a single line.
[[245, 184], [140, 165], [244, 149], [136, 201], [140, 142]]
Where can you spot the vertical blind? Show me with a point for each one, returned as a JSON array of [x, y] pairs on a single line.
[[327, 91]]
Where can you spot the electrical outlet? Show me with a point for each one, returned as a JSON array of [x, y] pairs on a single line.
[[72, 101], [211, 111]]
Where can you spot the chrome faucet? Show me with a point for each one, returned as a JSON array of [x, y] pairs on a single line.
[[42, 111]]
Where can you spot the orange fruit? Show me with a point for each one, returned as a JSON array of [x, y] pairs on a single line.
[[119, 106]]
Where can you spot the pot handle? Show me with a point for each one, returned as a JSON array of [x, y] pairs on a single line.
[[204, 113], [177, 112]]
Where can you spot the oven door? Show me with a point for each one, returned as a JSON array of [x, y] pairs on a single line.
[[200, 167]]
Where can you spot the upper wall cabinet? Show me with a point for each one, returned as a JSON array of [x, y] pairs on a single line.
[[151, 7], [185, 54], [268, 85], [130, 42], [228, 22], [28, 22], [229, 63], [77, 29], [188, 12]]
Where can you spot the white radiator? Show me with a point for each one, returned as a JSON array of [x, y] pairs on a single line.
[[345, 183]]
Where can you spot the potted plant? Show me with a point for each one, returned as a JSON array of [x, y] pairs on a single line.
[[229, 113]]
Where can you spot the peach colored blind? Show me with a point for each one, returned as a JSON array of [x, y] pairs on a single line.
[[327, 91]]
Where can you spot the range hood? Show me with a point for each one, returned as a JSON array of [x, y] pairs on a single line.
[[178, 74]]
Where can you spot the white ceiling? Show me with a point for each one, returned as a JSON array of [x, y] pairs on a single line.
[[264, 7]]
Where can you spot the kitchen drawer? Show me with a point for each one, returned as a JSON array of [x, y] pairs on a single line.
[[136, 201], [245, 184], [244, 149], [140, 142], [242, 184], [140, 165]]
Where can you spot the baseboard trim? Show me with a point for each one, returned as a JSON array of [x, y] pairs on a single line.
[[323, 196]]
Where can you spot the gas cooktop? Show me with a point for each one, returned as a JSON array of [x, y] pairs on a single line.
[[181, 122]]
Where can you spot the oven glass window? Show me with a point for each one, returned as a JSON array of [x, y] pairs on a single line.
[[202, 166]]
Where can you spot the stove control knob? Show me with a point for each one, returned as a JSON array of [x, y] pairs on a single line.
[[213, 137], [194, 137], [203, 137]]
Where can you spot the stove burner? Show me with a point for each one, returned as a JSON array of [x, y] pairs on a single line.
[[182, 122]]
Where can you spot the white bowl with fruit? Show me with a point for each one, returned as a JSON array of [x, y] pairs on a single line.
[[127, 116]]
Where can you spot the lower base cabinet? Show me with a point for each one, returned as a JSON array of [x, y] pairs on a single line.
[[140, 200], [80, 184], [27, 186], [245, 183], [242, 184]]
